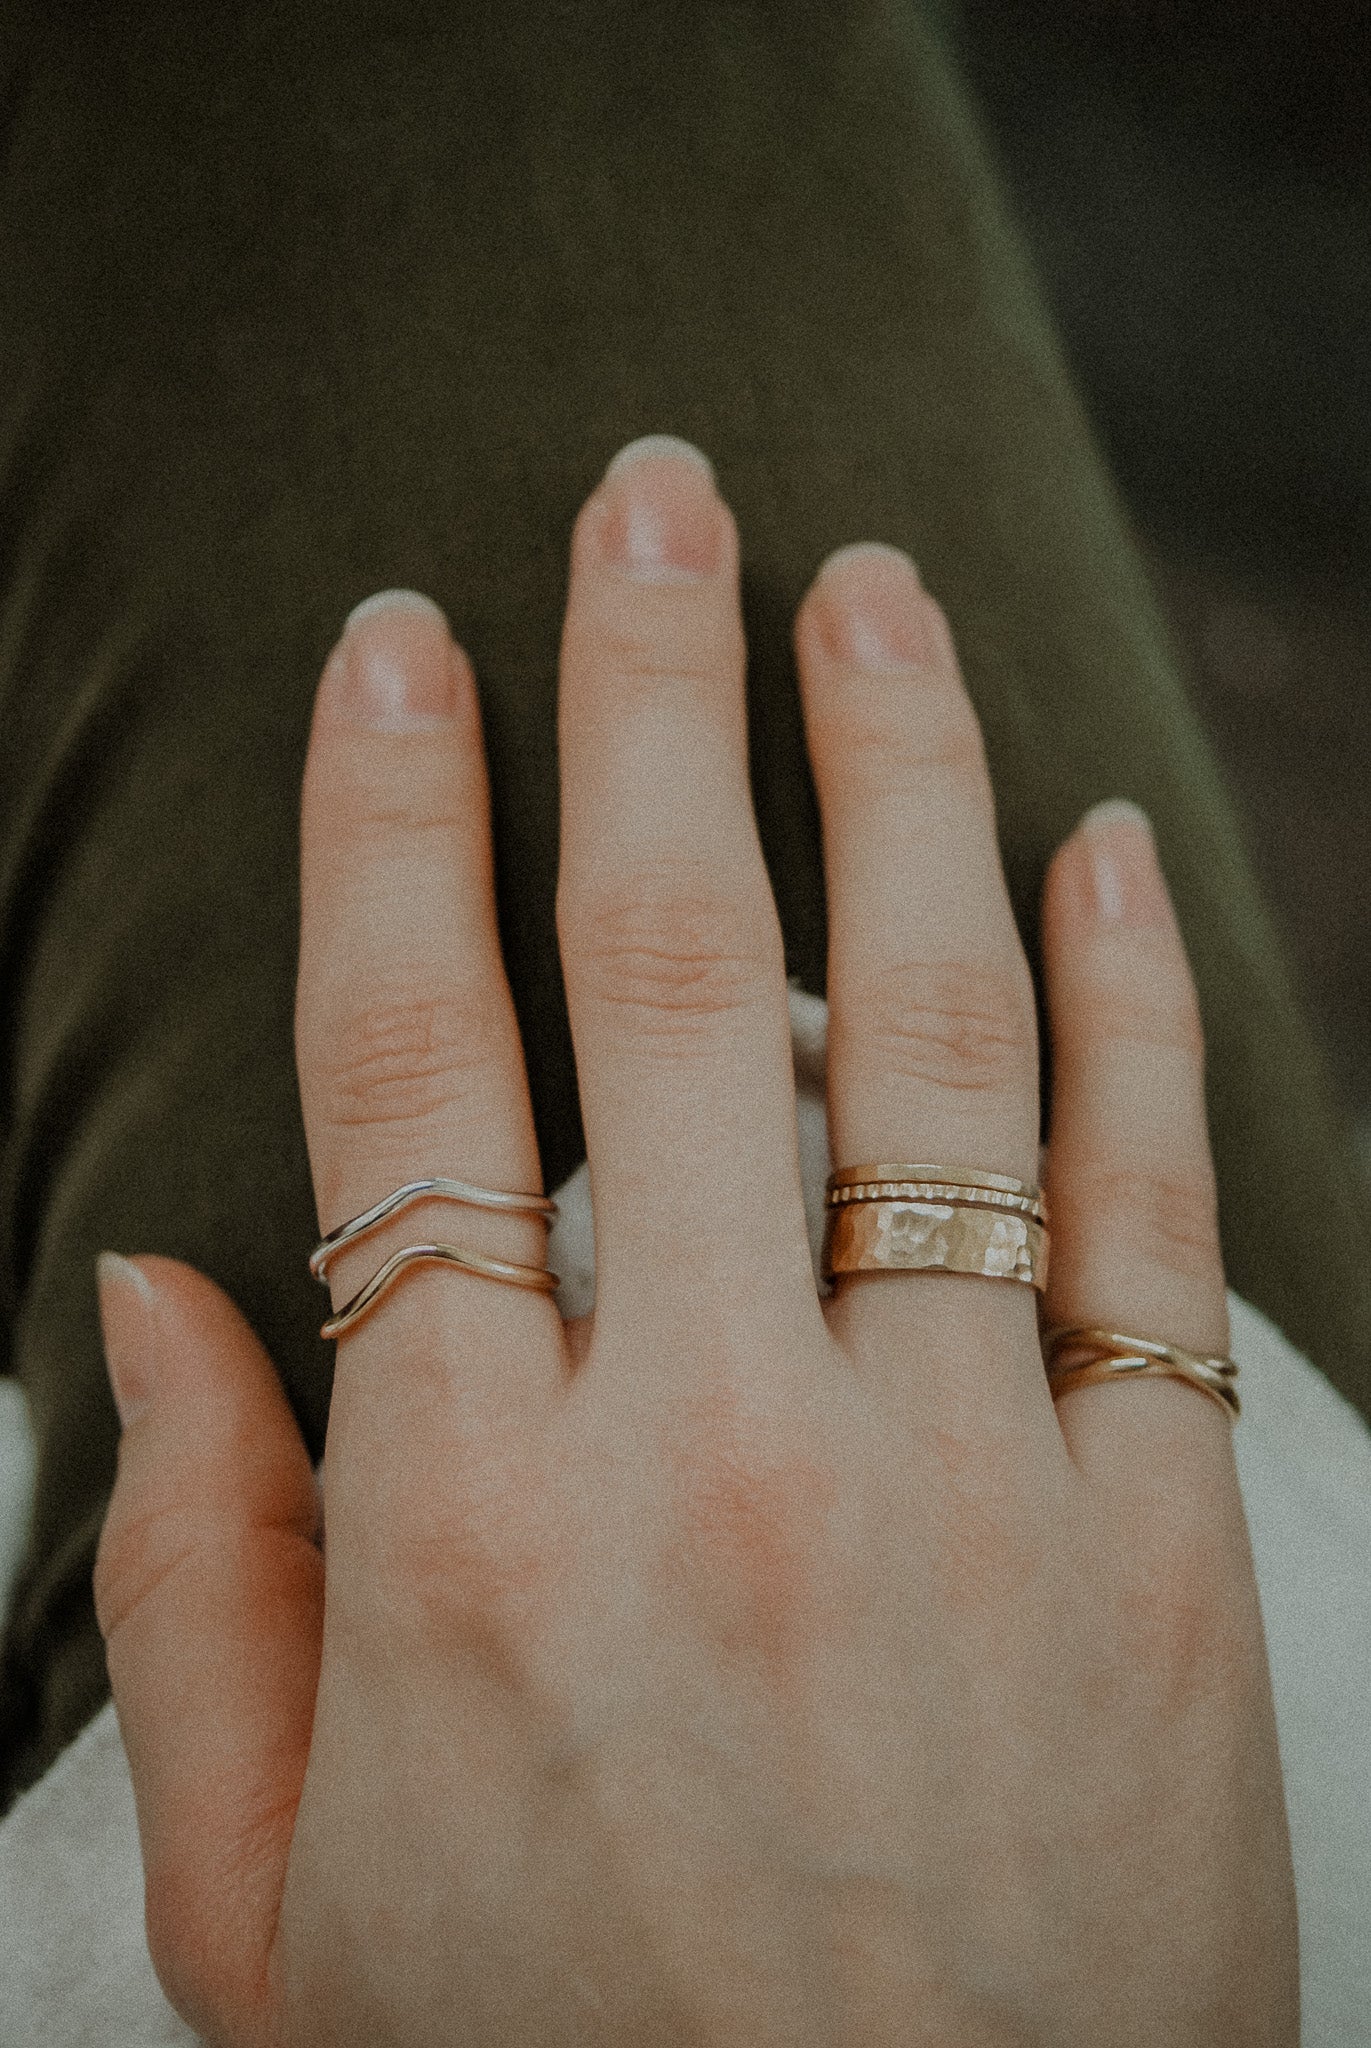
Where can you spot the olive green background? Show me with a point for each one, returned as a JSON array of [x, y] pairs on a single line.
[[301, 302]]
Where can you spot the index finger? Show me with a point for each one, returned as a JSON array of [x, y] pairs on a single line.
[[408, 1049]]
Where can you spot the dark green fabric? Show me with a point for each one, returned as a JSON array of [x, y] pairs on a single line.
[[300, 302]]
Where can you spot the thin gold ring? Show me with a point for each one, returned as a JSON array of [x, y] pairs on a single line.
[[1121, 1355], [954, 1176], [936, 1191]]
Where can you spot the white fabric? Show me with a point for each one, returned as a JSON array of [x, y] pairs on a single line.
[[74, 1966]]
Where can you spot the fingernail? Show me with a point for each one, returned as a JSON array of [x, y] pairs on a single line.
[[1129, 885], [398, 668], [869, 610], [126, 1295], [662, 518]]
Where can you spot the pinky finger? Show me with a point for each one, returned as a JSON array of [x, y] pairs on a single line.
[[1130, 1176]]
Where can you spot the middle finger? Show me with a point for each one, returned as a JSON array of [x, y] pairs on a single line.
[[671, 945]]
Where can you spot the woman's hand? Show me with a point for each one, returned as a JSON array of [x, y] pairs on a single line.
[[732, 1665]]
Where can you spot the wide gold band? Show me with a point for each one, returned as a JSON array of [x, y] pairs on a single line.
[[868, 1236]]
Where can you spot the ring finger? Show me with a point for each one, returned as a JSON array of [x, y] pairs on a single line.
[[933, 1049]]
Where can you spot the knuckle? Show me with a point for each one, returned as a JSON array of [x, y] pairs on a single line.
[[136, 1554], [404, 1058], [201, 1962], [474, 1573], [412, 812], [1170, 1219], [876, 742], [985, 1547], [1155, 1011], [375, 807], [671, 949], [176, 1936], [1179, 1625], [962, 1026], [640, 656], [753, 1504]]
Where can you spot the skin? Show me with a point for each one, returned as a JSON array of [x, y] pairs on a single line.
[[734, 1664]]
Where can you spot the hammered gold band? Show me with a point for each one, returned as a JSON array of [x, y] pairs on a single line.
[[864, 1237], [913, 1218]]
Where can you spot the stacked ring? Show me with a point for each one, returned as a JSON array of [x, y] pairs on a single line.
[[909, 1218], [380, 1282], [876, 1216]]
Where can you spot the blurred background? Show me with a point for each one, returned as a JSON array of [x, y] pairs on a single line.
[[1194, 178]]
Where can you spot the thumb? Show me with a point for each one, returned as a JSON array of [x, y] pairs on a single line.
[[209, 1590]]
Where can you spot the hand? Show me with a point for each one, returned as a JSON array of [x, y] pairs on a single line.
[[732, 1665]]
